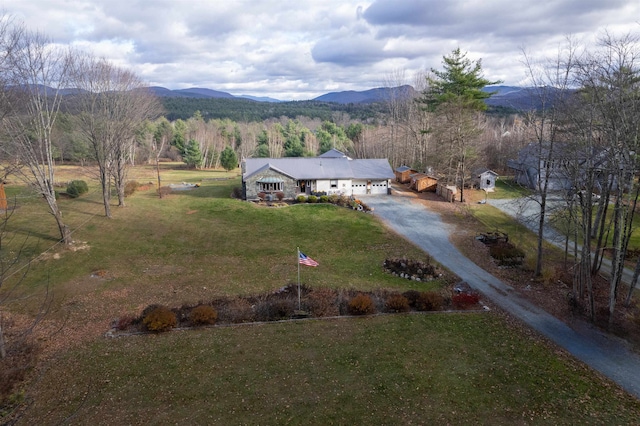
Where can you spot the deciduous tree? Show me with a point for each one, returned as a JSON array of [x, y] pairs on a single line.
[[34, 72]]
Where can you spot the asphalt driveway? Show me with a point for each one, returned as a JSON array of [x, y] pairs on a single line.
[[423, 227]]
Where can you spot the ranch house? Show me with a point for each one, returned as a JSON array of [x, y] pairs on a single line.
[[331, 173]]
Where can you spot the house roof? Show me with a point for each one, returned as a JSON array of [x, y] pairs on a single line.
[[419, 176], [403, 169], [480, 172], [334, 153], [304, 168]]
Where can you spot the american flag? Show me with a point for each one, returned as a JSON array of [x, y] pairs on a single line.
[[306, 260]]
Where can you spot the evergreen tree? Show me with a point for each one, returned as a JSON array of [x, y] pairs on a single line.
[[456, 97], [228, 159], [192, 155]]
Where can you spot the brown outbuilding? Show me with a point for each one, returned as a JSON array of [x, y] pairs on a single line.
[[403, 174], [421, 182]]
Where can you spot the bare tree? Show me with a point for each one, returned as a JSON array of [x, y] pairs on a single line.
[[610, 80], [111, 104], [34, 73], [550, 83]]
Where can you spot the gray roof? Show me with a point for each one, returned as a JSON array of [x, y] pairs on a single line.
[[321, 167], [333, 153], [481, 171], [403, 169]]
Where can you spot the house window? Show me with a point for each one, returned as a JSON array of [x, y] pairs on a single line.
[[269, 186], [334, 183], [488, 181]]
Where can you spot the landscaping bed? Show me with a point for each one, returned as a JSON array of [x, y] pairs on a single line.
[[293, 302]]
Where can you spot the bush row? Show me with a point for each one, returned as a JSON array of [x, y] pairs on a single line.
[[283, 304]]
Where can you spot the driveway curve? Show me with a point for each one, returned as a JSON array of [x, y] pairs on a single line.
[[411, 219]]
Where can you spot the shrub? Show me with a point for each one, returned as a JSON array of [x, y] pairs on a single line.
[[76, 188], [312, 199], [301, 199], [412, 297], [506, 254], [125, 322], [322, 303], [397, 303], [334, 198], [465, 300], [324, 199], [361, 304], [280, 196], [160, 318], [203, 315], [275, 309], [237, 310], [130, 187], [429, 301], [262, 195], [236, 192], [343, 201]]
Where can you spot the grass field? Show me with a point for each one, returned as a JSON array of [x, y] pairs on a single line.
[[199, 244], [403, 369]]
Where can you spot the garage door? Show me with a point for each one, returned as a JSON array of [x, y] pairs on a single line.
[[377, 187]]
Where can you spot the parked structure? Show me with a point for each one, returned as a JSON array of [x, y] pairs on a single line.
[[403, 174], [485, 179], [423, 182], [330, 173]]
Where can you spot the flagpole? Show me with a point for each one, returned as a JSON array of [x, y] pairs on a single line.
[[298, 262]]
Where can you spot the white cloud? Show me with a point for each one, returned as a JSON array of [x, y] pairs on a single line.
[[301, 49]]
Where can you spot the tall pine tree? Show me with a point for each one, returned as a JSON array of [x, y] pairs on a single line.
[[456, 97]]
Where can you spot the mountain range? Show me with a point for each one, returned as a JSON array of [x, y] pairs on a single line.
[[505, 96]]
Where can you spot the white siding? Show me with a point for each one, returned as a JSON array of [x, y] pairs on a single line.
[[343, 186]]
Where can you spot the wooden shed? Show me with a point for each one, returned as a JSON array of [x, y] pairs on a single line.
[[403, 174], [423, 182]]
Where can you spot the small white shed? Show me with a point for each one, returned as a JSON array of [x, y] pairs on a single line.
[[485, 179]]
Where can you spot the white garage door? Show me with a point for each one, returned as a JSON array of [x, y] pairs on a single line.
[[377, 187]]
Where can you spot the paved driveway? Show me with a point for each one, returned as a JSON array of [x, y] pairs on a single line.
[[424, 228], [527, 212]]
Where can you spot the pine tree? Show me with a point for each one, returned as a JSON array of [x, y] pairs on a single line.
[[228, 159], [456, 97]]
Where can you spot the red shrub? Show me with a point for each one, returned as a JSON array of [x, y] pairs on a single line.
[[465, 300]]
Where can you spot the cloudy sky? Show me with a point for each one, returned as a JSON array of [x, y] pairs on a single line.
[[304, 48]]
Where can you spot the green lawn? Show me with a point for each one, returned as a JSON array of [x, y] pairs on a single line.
[[200, 244], [507, 188], [403, 369]]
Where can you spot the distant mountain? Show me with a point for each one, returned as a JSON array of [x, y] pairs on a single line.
[[379, 94], [194, 92], [260, 98], [523, 98], [509, 97]]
